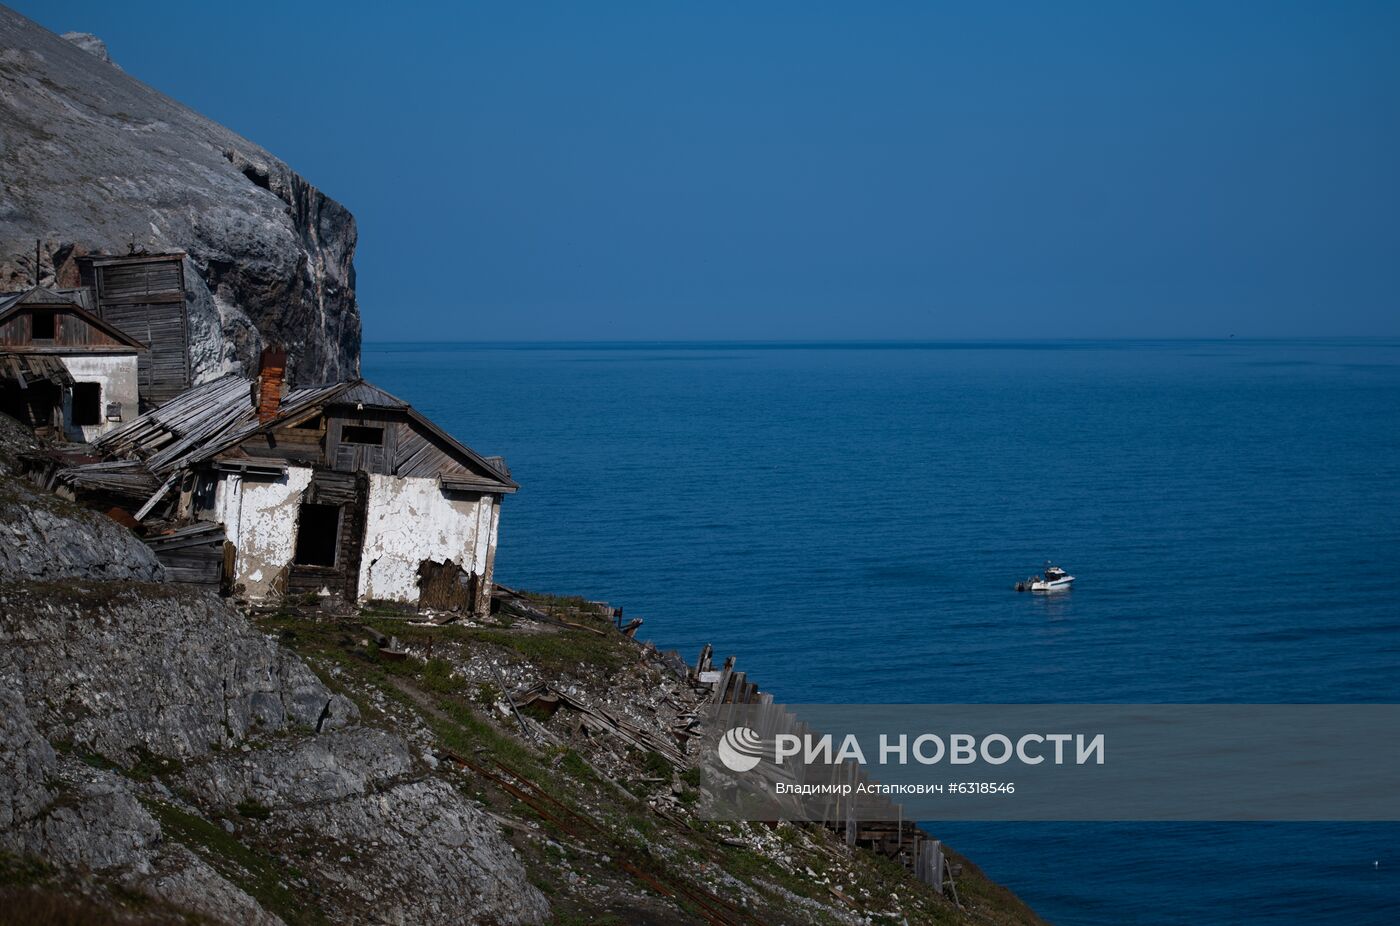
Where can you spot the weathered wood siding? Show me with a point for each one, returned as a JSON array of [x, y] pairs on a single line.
[[348, 492], [194, 554], [406, 450], [349, 457], [145, 297], [304, 446], [70, 330]]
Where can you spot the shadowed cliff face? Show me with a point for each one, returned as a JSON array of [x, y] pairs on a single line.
[[93, 160]]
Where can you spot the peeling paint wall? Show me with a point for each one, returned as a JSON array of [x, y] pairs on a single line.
[[116, 376], [260, 519], [408, 520], [412, 519]]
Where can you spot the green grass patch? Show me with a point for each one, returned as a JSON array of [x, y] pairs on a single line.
[[251, 870], [23, 870], [436, 675], [252, 810], [575, 765], [467, 732], [656, 764]]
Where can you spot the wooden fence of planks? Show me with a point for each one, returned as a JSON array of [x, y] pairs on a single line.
[[899, 839]]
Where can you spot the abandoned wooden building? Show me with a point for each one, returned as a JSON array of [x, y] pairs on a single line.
[[144, 295], [63, 370], [74, 363], [339, 490]]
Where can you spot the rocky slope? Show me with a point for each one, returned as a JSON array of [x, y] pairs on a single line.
[[156, 750], [93, 160], [167, 757]]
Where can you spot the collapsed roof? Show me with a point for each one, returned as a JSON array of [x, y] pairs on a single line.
[[211, 420]]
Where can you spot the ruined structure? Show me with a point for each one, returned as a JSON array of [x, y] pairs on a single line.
[[340, 490], [144, 295], [63, 370]]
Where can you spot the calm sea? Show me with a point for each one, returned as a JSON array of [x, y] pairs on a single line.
[[849, 519]]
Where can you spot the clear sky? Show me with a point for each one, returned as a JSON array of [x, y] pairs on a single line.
[[764, 170]]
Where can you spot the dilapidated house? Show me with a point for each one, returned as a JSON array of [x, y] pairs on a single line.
[[63, 370], [338, 490]]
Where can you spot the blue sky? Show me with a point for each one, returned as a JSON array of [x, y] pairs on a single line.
[[816, 170]]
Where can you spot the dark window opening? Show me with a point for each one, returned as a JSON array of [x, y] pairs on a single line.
[[310, 424], [43, 326], [87, 403], [357, 434], [318, 535]]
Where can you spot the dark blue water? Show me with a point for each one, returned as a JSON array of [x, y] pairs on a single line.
[[850, 519]]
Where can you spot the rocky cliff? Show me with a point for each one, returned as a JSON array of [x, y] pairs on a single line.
[[162, 758], [94, 161], [166, 757]]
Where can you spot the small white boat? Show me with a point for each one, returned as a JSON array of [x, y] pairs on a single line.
[[1054, 580]]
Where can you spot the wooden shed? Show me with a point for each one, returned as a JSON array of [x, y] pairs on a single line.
[[68, 372], [144, 295]]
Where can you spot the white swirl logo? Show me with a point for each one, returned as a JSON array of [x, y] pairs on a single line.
[[740, 749]]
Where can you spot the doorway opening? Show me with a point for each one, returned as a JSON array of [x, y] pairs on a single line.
[[318, 535], [87, 403]]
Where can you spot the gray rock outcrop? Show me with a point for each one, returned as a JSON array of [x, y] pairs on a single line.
[[90, 44], [94, 161], [181, 672], [152, 740], [167, 704], [38, 542]]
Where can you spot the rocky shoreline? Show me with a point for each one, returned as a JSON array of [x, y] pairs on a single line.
[[166, 755]]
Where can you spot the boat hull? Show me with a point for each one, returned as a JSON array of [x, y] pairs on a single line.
[[1059, 585]]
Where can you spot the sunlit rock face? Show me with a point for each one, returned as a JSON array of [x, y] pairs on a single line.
[[94, 161], [137, 717]]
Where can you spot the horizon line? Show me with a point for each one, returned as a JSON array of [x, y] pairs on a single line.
[[761, 343]]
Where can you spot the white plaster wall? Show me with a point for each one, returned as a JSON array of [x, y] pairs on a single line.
[[260, 518], [116, 376], [409, 520]]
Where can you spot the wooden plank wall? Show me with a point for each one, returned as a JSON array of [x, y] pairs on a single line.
[[69, 331], [305, 446], [350, 492], [346, 457], [198, 563], [405, 451], [146, 299], [422, 454]]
